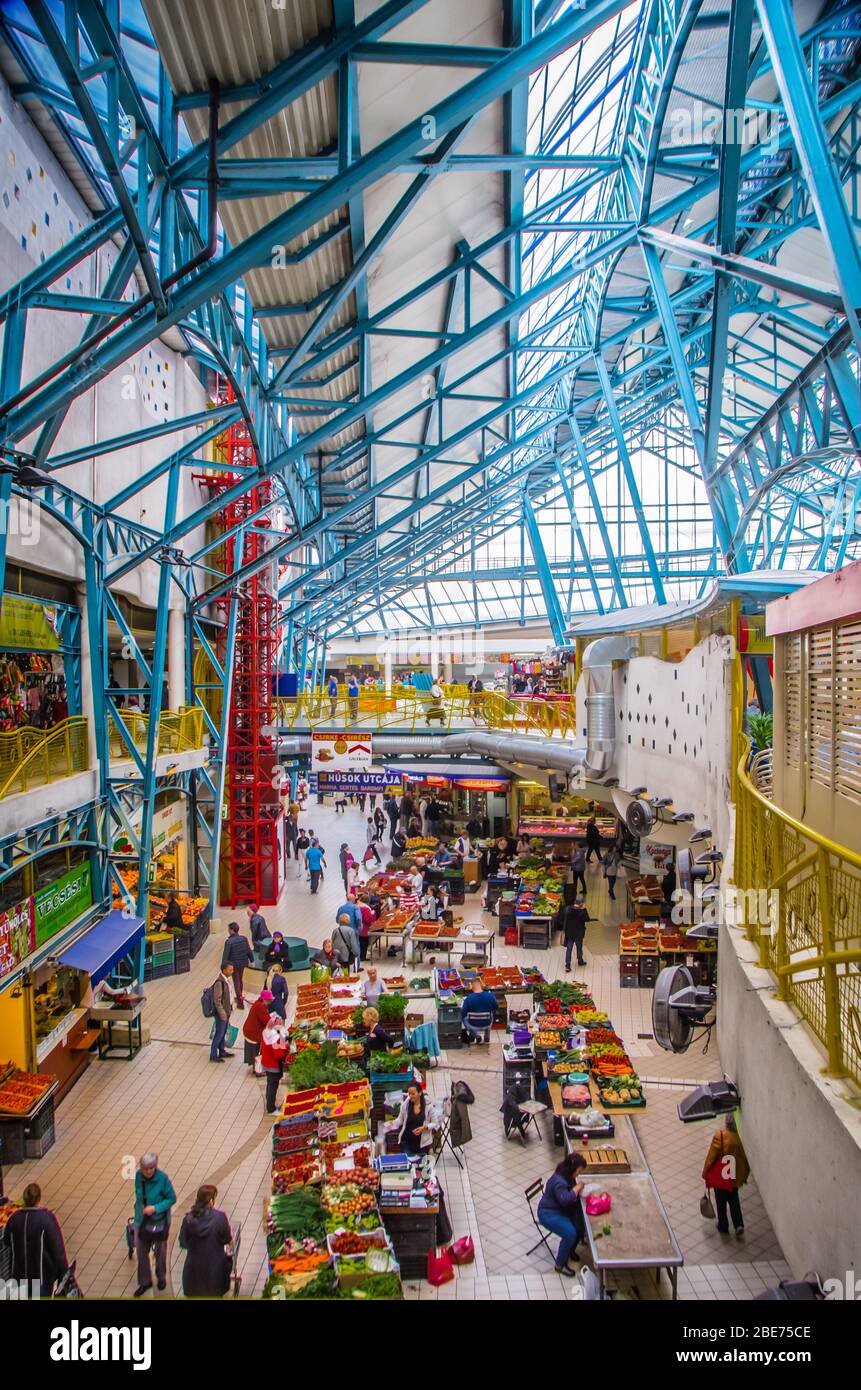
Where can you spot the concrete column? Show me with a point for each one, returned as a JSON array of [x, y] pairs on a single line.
[[175, 658], [87, 706]]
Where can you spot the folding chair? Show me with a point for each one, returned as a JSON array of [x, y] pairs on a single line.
[[445, 1136], [479, 1023], [535, 1191]]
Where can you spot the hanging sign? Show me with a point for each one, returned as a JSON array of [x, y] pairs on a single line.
[[17, 936], [345, 752], [61, 902], [655, 858], [356, 782], [26, 624]]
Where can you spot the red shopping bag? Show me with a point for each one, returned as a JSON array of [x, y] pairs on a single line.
[[462, 1251], [440, 1268], [511, 936], [598, 1203]]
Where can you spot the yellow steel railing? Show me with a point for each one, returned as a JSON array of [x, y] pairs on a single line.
[[178, 730], [33, 757], [811, 940], [417, 709]]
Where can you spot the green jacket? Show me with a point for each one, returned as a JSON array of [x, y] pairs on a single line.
[[159, 1194]]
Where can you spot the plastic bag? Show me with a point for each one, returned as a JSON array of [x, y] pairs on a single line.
[[707, 1211], [462, 1251], [440, 1268], [598, 1204]]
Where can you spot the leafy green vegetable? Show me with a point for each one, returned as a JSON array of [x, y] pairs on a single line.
[[298, 1214], [391, 1007], [311, 1068], [378, 1286]]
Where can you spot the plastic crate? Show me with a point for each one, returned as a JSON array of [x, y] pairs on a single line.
[[160, 972], [42, 1121], [182, 965], [36, 1147], [11, 1142]]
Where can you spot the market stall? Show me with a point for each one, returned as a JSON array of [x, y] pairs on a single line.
[[646, 946], [471, 940]]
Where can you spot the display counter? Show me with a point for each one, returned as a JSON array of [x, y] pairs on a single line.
[[565, 827]]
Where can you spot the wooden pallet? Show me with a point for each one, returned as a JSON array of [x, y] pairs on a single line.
[[605, 1161]]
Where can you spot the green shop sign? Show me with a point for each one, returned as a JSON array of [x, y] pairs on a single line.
[[62, 902]]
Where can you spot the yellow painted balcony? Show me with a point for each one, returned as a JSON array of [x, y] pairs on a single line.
[[34, 757]]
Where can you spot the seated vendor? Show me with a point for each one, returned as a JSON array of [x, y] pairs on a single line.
[[443, 854], [479, 1001], [377, 1039], [278, 954]]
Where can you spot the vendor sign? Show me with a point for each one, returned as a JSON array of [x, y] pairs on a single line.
[[29, 625], [356, 782], [481, 784], [655, 858], [61, 902], [17, 936], [345, 752]]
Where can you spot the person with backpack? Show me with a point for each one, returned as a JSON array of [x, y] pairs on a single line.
[[223, 1008], [238, 953], [371, 839], [345, 938], [204, 1235], [36, 1248], [154, 1199]]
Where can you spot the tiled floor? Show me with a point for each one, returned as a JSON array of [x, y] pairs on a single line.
[[208, 1126]]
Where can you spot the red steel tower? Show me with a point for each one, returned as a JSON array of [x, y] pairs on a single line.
[[252, 834]]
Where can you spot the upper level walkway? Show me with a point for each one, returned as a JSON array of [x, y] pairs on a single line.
[[415, 710]]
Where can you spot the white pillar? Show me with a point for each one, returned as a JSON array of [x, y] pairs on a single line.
[[175, 658], [87, 709]]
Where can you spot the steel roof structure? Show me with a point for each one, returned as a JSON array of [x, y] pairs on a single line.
[[533, 309]]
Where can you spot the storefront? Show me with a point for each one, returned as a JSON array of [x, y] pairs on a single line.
[[566, 819], [464, 797], [40, 659]]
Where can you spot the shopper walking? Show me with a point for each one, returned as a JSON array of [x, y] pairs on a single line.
[[315, 859], [612, 860], [345, 859], [423, 814], [256, 1020], [574, 921], [593, 840], [35, 1241], [561, 1212], [399, 844], [407, 810], [261, 936], [577, 875], [361, 797], [726, 1169], [204, 1235], [279, 989], [392, 812], [238, 953], [273, 1050], [369, 917], [154, 1201], [303, 844], [434, 816], [223, 1008], [332, 692], [379, 824]]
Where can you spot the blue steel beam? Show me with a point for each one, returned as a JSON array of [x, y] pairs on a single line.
[[555, 616]]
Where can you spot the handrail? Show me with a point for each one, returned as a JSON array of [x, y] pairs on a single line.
[[34, 757], [407, 711], [811, 941]]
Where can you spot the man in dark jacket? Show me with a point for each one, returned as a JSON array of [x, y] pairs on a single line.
[[261, 936], [593, 840], [573, 924], [238, 953], [36, 1243], [173, 916], [223, 1010]]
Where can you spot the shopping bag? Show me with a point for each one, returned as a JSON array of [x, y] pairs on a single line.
[[598, 1204], [229, 1037], [462, 1251], [706, 1208], [511, 936], [440, 1268], [258, 1066]]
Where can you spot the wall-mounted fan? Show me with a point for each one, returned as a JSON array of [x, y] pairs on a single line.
[[679, 1007], [639, 817]]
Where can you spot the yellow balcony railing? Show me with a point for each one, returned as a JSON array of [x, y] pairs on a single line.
[[34, 757], [810, 938], [417, 709], [178, 730]]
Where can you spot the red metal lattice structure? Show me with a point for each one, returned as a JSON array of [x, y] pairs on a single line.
[[252, 831]]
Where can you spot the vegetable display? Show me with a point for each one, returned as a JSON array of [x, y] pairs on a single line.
[[391, 1008]]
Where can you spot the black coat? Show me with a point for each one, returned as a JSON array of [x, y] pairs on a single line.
[[36, 1245], [573, 923], [206, 1273], [237, 952]]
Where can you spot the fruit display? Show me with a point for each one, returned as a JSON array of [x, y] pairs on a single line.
[[602, 1035], [395, 921], [426, 930], [491, 979], [296, 1178], [366, 1178], [584, 1017], [606, 1050], [351, 1243], [21, 1091], [362, 1221], [627, 1090], [6, 1210], [347, 1199], [422, 842], [449, 933], [563, 1068], [554, 1021], [395, 983], [547, 1039]]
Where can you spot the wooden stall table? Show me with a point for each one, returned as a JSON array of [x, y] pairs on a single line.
[[482, 937], [385, 929], [640, 1236], [128, 1019]]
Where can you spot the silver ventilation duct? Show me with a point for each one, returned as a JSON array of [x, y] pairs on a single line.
[[550, 753], [598, 661]]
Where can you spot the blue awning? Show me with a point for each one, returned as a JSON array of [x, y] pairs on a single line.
[[99, 949]]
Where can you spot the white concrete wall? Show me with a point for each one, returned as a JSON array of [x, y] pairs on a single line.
[[801, 1130], [673, 725], [40, 211]]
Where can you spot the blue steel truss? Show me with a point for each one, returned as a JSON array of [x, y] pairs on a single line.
[[646, 374]]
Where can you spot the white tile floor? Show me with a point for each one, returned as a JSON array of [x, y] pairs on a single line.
[[208, 1126]]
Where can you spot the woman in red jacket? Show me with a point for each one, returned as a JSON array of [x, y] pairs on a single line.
[[256, 1020], [273, 1049]]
